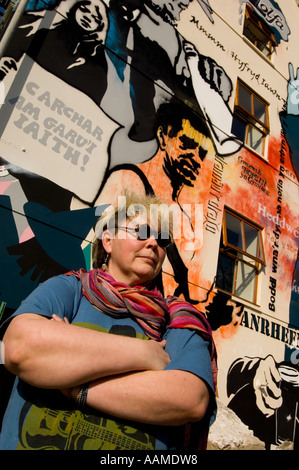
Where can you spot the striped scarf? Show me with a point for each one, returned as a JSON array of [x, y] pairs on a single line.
[[119, 300], [151, 311]]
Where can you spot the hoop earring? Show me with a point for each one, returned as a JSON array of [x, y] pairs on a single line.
[[105, 264]]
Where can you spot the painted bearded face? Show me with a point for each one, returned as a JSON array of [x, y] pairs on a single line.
[[169, 10], [184, 154], [91, 16]]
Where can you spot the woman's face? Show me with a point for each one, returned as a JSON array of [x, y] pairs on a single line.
[[133, 261], [91, 16]]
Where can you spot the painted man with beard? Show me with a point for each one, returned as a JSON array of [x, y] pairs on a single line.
[[184, 142]]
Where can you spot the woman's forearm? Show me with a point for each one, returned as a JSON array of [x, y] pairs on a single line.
[[51, 354], [168, 397]]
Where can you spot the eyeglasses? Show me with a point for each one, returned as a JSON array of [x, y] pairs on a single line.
[[144, 232]]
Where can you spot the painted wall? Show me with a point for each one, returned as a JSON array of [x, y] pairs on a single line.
[[90, 90]]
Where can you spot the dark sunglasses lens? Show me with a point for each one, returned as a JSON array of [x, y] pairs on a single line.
[[143, 232], [163, 240]]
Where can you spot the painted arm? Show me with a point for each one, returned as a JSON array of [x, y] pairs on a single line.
[[54, 354], [7, 64], [218, 116]]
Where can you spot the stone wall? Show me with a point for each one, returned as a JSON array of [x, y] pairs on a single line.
[[228, 432]]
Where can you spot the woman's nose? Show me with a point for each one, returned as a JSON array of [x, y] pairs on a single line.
[[151, 241]]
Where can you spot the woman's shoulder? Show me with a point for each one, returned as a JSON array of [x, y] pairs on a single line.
[[63, 281]]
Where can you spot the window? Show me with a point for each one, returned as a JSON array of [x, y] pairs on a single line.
[[241, 256], [258, 33], [251, 122]]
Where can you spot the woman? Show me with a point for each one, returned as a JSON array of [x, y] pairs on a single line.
[[118, 390]]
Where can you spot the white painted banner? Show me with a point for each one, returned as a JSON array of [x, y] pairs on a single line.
[[51, 129]]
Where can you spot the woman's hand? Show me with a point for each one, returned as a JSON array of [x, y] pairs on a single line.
[[158, 357], [59, 319]]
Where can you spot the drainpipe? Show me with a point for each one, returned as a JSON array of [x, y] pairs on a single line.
[[12, 26]]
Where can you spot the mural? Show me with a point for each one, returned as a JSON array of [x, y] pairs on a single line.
[[96, 41], [106, 95], [270, 12]]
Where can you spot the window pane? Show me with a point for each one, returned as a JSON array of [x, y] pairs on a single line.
[[255, 139], [238, 264], [225, 273], [250, 35], [234, 231], [264, 49], [245, 283], [251, 32], [260, 254], [251, 240], [260, 110], [259, 34], [239, 129], [245, 98]]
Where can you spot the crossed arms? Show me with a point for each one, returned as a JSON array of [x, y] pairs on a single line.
[[125, 375]]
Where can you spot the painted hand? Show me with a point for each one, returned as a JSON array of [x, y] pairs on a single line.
[[293, 92], [266, 387]]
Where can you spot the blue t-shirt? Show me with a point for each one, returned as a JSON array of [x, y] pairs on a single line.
[[44, 419]]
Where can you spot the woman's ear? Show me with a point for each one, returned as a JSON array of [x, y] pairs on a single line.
[[107, 241]]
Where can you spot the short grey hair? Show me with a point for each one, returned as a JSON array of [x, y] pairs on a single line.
[[129, 206]]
